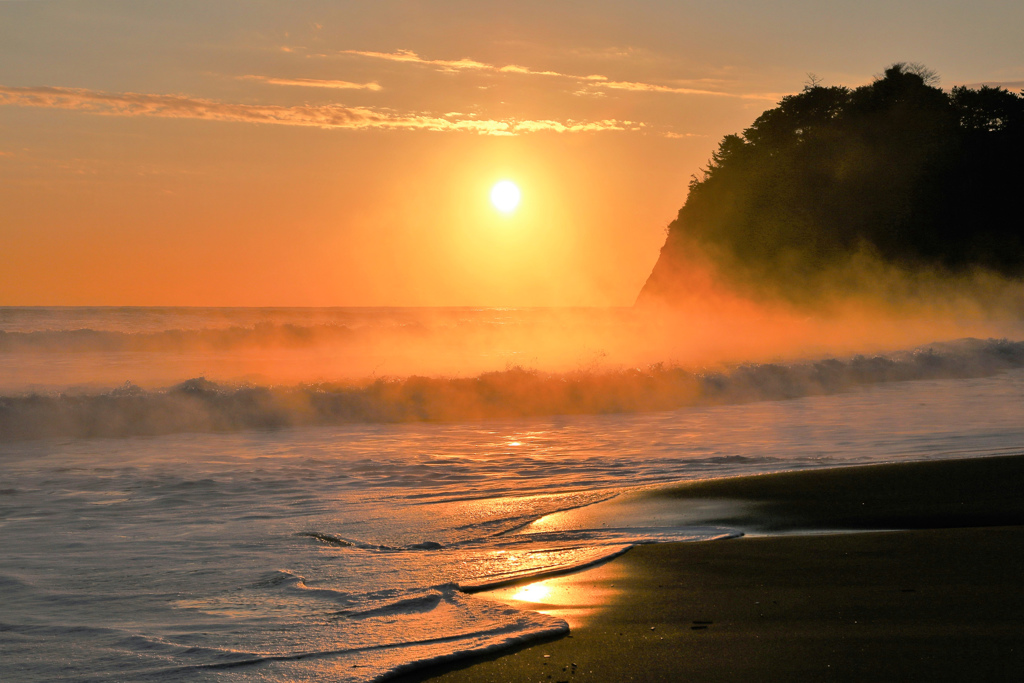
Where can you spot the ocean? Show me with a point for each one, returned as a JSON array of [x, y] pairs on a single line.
[[278, 495]]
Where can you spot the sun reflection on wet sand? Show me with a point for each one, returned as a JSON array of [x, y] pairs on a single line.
[[575, 597], [640, 510]]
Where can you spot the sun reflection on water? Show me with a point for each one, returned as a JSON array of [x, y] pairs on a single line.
[[574, 597], [534, 592]]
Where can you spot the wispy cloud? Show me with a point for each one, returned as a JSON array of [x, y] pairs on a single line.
[[320, 116], [593, 81], [574, 126], [1008, 85], [410, 57], [314, 83], [681, 136], [634, 86]]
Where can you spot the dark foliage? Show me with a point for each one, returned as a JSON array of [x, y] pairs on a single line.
[[898, 170]]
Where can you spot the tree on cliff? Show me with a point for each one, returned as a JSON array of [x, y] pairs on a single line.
[[898, 171]]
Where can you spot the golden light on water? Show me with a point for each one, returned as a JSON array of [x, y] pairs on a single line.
[[575, 597], [505, 196], [534, 592]]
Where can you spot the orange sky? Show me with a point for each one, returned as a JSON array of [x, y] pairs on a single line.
[[341, 153]]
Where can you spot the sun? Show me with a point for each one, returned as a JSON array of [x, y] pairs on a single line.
[[505, 196]]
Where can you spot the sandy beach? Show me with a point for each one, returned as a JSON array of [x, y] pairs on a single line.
[[878, 573]]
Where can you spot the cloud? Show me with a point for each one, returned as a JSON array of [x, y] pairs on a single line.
[[601, 82], [574, 127], [314, 83], [412, 57], [329, 116], [598, 83], [1007, 85], [594, 81]]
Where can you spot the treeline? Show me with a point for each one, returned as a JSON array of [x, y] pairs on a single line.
[[898, 172]]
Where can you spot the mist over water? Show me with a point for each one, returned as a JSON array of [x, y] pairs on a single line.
[[60, 349], [116, 372]]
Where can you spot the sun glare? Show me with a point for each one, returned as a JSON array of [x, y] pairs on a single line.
[[505, 196]]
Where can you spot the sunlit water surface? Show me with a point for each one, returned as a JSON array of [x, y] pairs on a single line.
[[336, 553]]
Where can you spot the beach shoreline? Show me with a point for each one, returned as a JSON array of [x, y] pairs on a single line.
[[922, 583]]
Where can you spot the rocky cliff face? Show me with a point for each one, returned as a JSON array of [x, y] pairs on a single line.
[[685, 276], [669, 280]]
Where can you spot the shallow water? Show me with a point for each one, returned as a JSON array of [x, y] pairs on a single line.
[[338, 552], [227, 556]]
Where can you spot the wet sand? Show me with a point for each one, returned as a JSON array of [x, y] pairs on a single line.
[[939, 600]]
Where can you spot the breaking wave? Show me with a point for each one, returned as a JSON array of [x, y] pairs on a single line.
[[199, 405]]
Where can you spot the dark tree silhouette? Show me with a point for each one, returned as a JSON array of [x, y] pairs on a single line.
[[898, 170]]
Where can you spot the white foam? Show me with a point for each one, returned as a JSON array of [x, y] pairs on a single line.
[[539, 554], [440, 625]]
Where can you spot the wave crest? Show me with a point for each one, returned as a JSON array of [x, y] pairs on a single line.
[[202, 406]]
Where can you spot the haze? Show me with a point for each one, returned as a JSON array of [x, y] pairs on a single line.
[[342, 153]]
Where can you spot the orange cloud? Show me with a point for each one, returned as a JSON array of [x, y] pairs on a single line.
[[595, 81], [320, 116], [601, 82], [573, 127], [314, 83], [413, 58], [680, 136]]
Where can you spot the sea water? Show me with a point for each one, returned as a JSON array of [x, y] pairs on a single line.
[[350, 552]]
